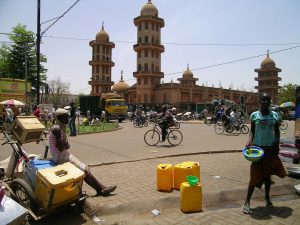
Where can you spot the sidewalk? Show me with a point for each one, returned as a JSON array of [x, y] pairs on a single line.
[[224, 179]]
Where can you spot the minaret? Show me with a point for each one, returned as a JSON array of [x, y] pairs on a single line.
[[268, 78], [101, 63], [148, 49]]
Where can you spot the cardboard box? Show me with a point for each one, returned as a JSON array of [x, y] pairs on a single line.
[[27, 129]]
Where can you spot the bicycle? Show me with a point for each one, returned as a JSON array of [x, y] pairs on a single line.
[[152, 137]]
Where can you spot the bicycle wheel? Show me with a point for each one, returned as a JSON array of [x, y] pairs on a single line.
[[175, 137], [219, 128], [283, 125], [152, 137], [245, 129], [24, 194]]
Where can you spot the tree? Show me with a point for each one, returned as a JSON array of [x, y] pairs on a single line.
[[14, 56], [57, 90], [287, 93]]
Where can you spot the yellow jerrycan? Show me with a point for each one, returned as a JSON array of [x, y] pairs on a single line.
[[164, 177], [195, 168], [191, 195], [181, 171]]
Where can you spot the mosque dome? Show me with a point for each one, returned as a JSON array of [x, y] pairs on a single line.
[[121, 86], [267, 62], [149, 9], [102, 35], [188, 73]]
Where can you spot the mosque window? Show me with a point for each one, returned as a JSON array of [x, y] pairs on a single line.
[[140, 40], [152, 40], [103, 57], [103, 49], [146, 39], [146, 26], [146, 66], [152, 67], [97, 48], [139, 67]]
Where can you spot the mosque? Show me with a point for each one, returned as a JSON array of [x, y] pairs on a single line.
[[149, 89]]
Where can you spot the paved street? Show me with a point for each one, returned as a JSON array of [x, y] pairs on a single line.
[[122, 158]]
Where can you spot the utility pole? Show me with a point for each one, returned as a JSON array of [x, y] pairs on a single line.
[[38, 42]]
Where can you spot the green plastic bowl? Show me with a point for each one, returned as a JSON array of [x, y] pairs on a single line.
[[192, 180]]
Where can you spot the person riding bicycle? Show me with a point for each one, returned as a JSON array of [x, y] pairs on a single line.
[[165, 121]]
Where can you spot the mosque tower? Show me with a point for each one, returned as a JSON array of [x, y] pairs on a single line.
[[268, 78], [101, 63], [148, 49]]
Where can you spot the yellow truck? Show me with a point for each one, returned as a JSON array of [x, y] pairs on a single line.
[[114, 105]]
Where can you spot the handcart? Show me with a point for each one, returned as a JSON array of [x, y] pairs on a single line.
[[40, 189]]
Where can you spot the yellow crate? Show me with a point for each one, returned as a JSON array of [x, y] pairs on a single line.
[[27, 129], [58, 185]]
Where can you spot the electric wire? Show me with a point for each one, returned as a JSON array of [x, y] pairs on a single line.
[[216, 65], [58, 18]]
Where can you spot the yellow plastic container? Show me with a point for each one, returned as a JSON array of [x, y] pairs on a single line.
[[181, 171], [164, 177], [58, 185], [195, 167], [190, 197]]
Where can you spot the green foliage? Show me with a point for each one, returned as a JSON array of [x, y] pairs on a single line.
[[287, 93], [14, 56]]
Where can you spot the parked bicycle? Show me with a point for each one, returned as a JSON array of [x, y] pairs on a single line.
[[152, 137], [140, 121]]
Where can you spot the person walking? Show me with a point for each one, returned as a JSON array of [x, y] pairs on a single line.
[[72, 119], [60, 151], [265, 134], [9, 117]]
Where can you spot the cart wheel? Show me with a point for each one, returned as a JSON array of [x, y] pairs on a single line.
[[24, 194]]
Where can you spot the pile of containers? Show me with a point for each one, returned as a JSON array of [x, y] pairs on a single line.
[[185, 177]]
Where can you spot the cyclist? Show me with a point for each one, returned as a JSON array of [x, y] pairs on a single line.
[[165, 120]]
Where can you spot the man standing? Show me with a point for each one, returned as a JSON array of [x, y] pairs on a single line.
[[72, 119]]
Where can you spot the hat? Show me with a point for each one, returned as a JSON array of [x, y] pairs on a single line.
[[60, 111]]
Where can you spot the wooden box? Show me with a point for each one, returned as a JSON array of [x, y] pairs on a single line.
[[27, 129]]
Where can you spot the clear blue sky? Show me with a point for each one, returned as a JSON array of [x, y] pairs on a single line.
[[233, 22]]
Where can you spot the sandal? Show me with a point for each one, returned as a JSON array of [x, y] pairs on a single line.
[[246, 209], [269, 204], [108, 190]]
